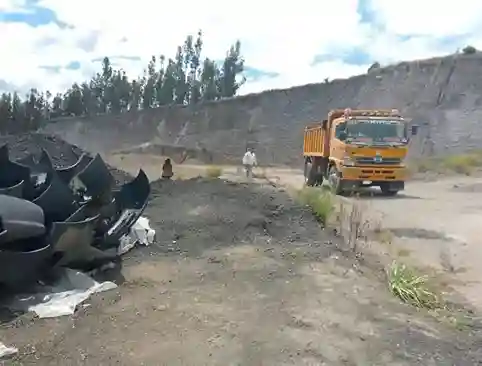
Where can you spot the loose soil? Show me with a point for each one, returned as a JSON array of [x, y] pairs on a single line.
[[61, 152], [241, 275]]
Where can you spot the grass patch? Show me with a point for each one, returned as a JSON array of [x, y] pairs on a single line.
[[459, 164], [213, 172], [410, 287], [320, 201], [461, 320], [403, 252], [463, 164]]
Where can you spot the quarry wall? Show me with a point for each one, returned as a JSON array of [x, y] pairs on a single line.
[[442, 95]]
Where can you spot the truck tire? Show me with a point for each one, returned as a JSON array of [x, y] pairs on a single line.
[[308, 173], [334, 179], [388, 192]]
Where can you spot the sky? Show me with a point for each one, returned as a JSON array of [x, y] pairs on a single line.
[[49, 44]]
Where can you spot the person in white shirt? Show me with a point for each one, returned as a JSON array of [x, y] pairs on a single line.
[[249, 160]]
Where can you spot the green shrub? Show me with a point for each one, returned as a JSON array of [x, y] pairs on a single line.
[[320, 201], [469, 50]]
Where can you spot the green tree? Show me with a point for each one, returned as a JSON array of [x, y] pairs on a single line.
[[187, 79], [469, 50], [210, 76], [73, 101], [149, 83], [56, 108], [233, 66]]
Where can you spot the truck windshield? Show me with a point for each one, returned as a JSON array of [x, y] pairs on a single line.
[[376, 130]]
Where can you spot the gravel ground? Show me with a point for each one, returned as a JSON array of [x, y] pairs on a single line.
[[240, 274]]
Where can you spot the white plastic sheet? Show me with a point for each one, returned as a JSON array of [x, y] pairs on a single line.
[[74, 287], [141, 233], [7, 351], [62, 298]]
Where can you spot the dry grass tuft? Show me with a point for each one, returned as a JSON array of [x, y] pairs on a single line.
[[213, 172]]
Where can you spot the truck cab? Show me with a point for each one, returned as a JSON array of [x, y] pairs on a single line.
[[358, 148]]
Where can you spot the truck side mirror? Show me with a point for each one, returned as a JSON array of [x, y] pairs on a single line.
[[342, 136], [324, 124], [414, 130]]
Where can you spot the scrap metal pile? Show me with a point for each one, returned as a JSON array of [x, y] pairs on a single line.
[[54, 217]]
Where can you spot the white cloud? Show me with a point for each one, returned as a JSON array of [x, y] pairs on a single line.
[[428, 17], [282, 37], [12, 5], [307, 75]]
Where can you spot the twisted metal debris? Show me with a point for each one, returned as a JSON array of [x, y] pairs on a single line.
[[71, 216]]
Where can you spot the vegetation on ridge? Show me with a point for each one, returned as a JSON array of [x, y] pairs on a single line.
[[187, 79]]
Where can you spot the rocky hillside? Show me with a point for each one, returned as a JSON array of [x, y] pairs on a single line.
[[443, 95]]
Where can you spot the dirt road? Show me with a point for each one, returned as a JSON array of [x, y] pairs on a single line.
[[436, 223], [439, 223]]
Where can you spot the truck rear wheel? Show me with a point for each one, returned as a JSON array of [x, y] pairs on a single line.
[[334, 179], [308, 173]]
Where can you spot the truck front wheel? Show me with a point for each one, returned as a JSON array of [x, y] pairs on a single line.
[[334, 179], [387, 190]]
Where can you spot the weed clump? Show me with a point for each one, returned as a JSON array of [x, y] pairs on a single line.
[[410, 287], [320, 201]]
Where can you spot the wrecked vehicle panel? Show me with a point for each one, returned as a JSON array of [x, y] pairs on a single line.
[[71, 216]]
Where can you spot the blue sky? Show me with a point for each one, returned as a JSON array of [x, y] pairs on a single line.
[[52, 43]]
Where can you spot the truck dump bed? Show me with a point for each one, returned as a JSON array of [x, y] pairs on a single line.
[[314, 140]]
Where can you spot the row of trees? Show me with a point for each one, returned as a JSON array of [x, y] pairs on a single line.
[[187, 79]]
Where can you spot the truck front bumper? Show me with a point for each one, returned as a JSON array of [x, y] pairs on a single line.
[[374, 176]]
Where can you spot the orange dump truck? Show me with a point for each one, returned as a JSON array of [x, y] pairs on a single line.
[[356, 148]]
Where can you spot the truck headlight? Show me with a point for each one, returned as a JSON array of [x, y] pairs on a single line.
[[348, 161]]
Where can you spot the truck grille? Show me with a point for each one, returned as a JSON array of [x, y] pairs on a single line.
[[378, 161]]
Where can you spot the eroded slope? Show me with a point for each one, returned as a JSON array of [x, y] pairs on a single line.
[[443, 95]]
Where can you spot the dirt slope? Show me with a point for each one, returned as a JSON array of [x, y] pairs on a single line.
[[241, 275], [444, 93]]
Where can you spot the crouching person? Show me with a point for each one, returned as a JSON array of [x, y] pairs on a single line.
[[167, 172]]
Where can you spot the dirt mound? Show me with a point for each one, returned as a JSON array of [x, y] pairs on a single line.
[[191, 216], [61, 152]]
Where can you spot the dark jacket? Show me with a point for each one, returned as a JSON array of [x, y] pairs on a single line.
[[167, 170]]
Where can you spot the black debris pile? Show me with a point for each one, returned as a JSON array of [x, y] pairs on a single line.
[[60, 207], [62, 153]]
